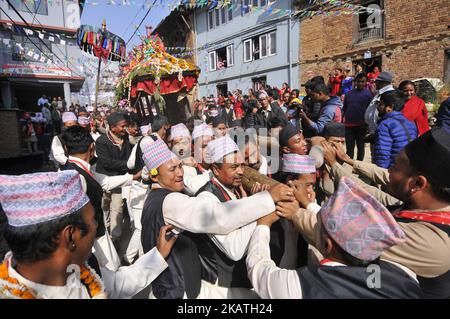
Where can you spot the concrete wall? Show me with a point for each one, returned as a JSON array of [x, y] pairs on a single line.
[[62, 14], [240, 28]]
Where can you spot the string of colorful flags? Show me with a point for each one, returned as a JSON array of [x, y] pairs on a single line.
[[55, 38], [88, 37]]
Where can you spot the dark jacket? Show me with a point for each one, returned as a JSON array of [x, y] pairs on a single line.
[[228, 117], [261, 120], [112, 160], [393, 133], [184, 271], [325, 282], [249, 117], [443, 115], [355, 106]]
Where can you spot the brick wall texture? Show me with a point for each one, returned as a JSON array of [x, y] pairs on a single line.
[[417, 35]]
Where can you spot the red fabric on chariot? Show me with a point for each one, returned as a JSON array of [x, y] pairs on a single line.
[[166, 86]]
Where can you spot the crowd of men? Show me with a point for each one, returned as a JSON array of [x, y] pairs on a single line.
[[265, 202]]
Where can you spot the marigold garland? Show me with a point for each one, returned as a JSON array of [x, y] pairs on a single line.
[[10, 287]]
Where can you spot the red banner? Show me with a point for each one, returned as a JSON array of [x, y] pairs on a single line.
[[166, 86]]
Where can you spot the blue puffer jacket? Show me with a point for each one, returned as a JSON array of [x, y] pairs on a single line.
[[392, 138]]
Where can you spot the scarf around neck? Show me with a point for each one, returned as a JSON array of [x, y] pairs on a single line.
[[114, 138]]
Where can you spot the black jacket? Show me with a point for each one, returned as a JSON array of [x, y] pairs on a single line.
[[228, 117], [112, 160], [262, 121]]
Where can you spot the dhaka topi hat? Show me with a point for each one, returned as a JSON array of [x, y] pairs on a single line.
[[221, 147], [286, 134], [298, 164], [202, 130], [358, 223], [179, 130], [334, 129], [430, 155], [69, 117], [31, 199], [145, 129], [155, 153]]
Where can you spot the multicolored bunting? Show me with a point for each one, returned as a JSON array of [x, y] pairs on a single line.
[[56, 38], [22, 52], [111, 46]]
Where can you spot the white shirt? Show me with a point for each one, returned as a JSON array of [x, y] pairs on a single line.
[[107, 183], [206, 214], [235, 243], [42, 101], [194, 181], [68, 291], [125, 282], [272, 282], [121, 282], [95, 135], [371, 115], [57, 154], [268, 280], [264, 168]]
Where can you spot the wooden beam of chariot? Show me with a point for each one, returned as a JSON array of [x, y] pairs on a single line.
[[251, 176]]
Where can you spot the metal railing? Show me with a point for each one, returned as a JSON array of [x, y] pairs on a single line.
[[364, 34]]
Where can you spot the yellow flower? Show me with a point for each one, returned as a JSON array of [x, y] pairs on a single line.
[[154, 172]]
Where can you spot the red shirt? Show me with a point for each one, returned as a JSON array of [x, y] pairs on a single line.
[[335, 82], [416, 111]]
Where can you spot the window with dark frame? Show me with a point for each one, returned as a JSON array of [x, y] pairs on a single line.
[[260, 46], [259, 83], [369, 23], [210, 20], [221, 58]]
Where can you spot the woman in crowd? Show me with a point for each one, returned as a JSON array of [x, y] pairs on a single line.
[[414, 109]]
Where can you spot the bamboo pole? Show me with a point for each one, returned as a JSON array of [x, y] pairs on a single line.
[[97, 84]]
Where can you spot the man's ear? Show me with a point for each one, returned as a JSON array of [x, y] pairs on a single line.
[[67, 237], [154, 179], [419, 184], [285, 150], [215, 169]]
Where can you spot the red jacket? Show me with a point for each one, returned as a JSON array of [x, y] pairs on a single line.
[[416, 111], [335, 82]]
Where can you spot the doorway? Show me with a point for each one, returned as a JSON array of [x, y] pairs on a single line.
[[222, 89], [368, 64]]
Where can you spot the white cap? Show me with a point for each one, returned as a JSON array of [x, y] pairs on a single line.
[[69, 117], [221, 147], [179, 130], [145, 129], [202, 130]]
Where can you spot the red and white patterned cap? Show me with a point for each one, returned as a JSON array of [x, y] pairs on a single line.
[[299, 164], [31, 199], [155, 153], [358, 223]]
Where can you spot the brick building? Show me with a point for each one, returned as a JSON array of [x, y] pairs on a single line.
[[410, 38]]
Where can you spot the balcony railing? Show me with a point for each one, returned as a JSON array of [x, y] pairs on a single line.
[[364, 34]]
